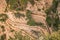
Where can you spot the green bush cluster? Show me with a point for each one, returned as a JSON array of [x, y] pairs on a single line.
[[52, 15], [3, 28], [19, 36], [3, 37], [3, 17], [31, 21], [18, 15], [18, 4], [53, 36]]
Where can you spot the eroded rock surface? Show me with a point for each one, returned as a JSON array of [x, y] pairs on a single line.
[[2, 6], [38, 14]]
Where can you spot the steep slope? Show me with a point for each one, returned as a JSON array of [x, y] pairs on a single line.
[[28, 18]]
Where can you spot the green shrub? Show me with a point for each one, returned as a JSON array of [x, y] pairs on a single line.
[[53, 36], [32, 2], [18, 4], [3, 37], [31, 21], [18, 15], [3, 28], [3, 17], [52, 18], [19, 36]]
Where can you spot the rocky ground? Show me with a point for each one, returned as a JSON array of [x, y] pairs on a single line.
[[38, 14]]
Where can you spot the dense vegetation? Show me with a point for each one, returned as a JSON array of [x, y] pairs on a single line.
[[18, 15], [3, 17], [18, 4], [52, 15], [17, 36], [53, 36]]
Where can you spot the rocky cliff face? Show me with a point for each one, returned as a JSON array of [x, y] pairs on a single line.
[[2, 6], [17, 20]]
